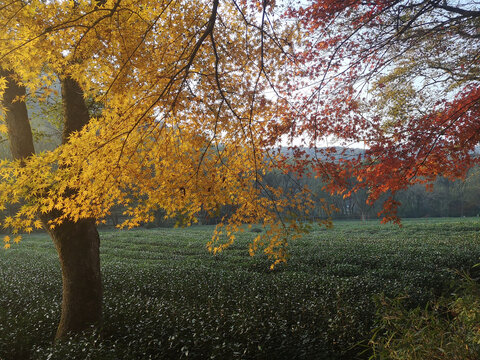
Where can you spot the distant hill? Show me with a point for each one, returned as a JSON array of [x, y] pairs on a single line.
[[333, 153]]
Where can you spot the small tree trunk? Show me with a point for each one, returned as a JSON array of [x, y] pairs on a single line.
[[78, 246], [16, 117]]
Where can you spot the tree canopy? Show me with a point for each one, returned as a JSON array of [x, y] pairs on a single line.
[[180, 89], [192, 99], [400, 76]]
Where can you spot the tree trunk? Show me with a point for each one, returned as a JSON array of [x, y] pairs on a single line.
[[75, 110], [78, 246], [77, 243], [16, 117]]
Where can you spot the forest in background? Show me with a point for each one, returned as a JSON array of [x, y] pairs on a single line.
[[460, 198], [447, 198]]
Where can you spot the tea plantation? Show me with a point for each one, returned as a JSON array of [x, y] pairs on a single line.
[[166, 297]]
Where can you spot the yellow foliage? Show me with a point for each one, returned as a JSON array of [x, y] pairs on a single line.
[[181, 121]]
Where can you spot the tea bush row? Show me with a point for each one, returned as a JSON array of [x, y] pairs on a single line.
[[166, 297]]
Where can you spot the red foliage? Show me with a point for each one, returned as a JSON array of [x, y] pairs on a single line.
[[350, 45]]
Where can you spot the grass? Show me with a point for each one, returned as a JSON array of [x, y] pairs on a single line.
[[166, 297]]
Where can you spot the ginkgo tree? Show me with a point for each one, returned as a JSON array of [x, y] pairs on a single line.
[[181, 103]]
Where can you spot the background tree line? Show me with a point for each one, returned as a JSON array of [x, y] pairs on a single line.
[[446, 199]]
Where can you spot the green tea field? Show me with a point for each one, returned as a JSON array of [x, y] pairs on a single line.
[[166, 297]]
